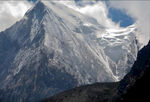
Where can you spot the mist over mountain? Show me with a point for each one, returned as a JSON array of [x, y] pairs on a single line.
[[55, 48]]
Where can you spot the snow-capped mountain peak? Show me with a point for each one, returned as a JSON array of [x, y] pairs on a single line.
[[54, 48]]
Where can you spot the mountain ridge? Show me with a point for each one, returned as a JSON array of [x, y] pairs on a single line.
[[50, 51]]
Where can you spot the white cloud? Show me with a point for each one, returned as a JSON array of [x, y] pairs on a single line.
[[12, 11], [140, 11], [137, 9], [97, 10]]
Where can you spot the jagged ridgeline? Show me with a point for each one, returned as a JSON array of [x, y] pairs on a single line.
[[54, 48]]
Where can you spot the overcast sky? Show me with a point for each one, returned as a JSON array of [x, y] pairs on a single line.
[[12, 11]]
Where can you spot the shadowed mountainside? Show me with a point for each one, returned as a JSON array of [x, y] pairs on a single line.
[[135, 85], [98, 92]]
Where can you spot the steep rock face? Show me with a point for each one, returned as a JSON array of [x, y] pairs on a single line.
[[134, 86], [52, 49], [121, 47]]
